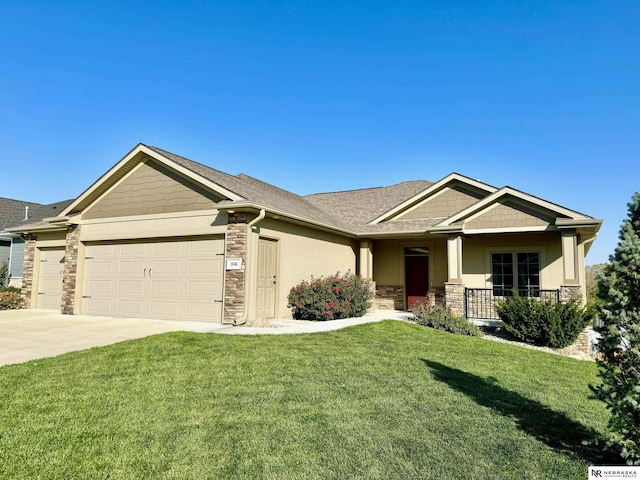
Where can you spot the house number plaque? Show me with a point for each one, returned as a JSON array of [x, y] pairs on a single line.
[[234, 263]]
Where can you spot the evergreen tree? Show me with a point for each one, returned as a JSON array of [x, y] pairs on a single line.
[[619, 365]]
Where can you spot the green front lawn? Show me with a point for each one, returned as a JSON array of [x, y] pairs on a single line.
[[385, 400]]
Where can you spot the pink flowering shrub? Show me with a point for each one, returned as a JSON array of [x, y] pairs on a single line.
[[330, 298]]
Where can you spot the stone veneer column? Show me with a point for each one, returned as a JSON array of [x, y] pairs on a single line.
[[235, 280], [390, 297], [567, 292], [27, 275], [583, 342], [454, 297], [70, 270]]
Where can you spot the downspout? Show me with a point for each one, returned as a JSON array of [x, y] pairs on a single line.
[[250, 225]]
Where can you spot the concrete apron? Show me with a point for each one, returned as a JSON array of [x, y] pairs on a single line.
[[31, 334]]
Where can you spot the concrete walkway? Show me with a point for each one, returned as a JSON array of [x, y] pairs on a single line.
[[32, 334]]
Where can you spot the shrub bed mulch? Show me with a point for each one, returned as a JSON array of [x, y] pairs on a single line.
[[499, 334]]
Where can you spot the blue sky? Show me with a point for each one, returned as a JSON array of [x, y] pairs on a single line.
[[323, 96]]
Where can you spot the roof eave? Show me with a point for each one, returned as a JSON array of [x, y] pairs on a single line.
[[36, 228], [569, 223], [281, 214]]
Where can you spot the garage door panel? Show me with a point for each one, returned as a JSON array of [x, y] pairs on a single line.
[[211, 289], [130, 249], [49, 302], [213, 247], [130, 307], [101, 286], [101, 268], [165, 309], [98, 306], [51, 284], [165, 288], [130, 288], [169, 279], [131, 267], [107, 250], [51, 270], [172, 249], [205, 267], [166, 268]]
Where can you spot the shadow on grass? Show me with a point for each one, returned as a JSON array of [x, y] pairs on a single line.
[[553, 428]]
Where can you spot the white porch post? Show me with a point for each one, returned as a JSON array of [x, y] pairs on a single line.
[[366, 269], [454, 258], [570, 258], [366, 259], [571, 266]]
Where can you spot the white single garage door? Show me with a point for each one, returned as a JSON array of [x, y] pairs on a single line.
[[50, 278], [168, 279]]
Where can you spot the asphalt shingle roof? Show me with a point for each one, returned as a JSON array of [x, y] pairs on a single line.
[[12, 211], [359, 207], [350, 210], [261, 193], [40, 212]]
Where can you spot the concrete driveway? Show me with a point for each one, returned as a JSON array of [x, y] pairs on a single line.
[[31, 334]]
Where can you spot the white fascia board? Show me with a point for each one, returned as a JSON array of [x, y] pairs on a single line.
[[58, 219], [429, 190], [43, 228], [566, 223], [497, 231]]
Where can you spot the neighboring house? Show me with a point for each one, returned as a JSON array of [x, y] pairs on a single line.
[[11, 244], [161, 236], [49, 272]]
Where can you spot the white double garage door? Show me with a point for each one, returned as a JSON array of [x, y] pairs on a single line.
[[168, 279]]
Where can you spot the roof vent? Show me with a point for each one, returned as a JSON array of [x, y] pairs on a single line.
[[26, 212]]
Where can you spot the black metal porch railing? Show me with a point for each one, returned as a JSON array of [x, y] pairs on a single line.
[[480, 303]]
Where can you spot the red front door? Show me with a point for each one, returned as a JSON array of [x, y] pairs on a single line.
[[416, 278]]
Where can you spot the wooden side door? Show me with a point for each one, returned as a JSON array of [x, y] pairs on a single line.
[[267, 257]]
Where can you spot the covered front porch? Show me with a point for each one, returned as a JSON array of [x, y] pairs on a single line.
[[471, 273]]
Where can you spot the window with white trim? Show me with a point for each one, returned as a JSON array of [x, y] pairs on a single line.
[[515, 271]]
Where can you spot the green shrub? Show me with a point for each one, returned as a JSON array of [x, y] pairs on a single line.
[[330, 298], [442, 318], [4, 274], [10, 300], [11, 289], [543, 323]]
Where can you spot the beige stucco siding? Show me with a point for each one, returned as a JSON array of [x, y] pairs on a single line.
[[303, 252], [442, 204], [51, 239], [148, 226], [476, 256], [150, 189], [388, 260]]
